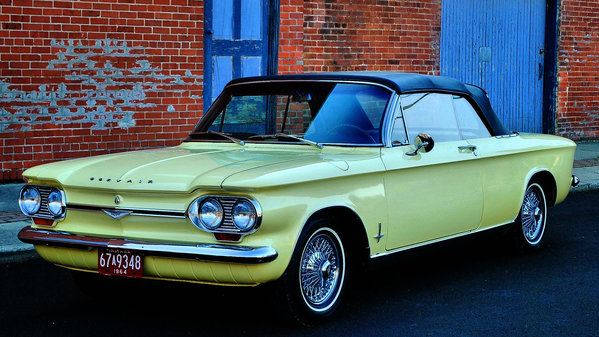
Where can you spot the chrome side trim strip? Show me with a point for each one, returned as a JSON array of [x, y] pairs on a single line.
[[200, 252], [133, 211], [422, 244]]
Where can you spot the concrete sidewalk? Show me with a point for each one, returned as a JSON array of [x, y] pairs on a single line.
[[586, 167], [11, 248]]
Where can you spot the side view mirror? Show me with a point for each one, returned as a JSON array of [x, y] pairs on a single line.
[[423, 143]]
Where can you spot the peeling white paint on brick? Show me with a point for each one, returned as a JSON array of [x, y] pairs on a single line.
[[105, 83]]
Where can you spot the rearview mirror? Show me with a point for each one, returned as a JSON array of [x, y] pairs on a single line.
[[301, 97]]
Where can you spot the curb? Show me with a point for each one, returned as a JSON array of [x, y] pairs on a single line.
[[11, 248], [18, 255], [585, 187], [8, 197]]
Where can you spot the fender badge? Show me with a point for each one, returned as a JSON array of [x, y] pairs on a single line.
[[116, 214]]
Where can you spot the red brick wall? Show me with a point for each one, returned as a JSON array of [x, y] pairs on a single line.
[[291, 37], [372, 35], [81, 78], [578, 73]]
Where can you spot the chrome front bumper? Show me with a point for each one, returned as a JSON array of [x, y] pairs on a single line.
[[201, 252]]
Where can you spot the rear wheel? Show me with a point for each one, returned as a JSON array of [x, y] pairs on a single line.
[[314, 280], [529, 228]]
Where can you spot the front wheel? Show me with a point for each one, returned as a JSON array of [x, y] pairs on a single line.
[[530, 225], [315, 278]]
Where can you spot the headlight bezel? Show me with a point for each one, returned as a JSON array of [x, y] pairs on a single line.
[[195, 212], [62, 203], [44, 210], [227, 225], [252, 217]]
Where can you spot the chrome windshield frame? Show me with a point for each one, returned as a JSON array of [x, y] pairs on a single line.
[[385, 128]]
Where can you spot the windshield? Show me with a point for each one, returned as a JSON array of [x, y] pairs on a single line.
[[319, 112]]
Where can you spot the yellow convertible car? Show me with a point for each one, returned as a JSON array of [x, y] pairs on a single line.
[[298, 180]]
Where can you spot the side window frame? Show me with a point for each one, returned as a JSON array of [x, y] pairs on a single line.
[[395, 113], [477, 112], [427, 92], [399, 113]]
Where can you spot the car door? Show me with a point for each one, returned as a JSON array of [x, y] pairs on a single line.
[[436, 194], [501, 161]]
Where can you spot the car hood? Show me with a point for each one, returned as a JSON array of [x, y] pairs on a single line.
[[188, 167]]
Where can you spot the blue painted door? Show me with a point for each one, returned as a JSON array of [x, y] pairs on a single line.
[[499, 46], [235, 43]]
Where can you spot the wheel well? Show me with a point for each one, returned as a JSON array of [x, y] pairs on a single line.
[[351, 229], [547, 182]]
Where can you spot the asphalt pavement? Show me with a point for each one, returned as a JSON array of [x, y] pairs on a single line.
[[477, 285], [586, 167]]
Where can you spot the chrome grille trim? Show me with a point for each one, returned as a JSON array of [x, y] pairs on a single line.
[[134, 211], [44, 192], [44, 212], [228, 226]]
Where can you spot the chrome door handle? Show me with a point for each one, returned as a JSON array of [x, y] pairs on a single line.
[[469, 148]]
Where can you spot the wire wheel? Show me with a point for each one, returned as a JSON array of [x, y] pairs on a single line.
[[322, 270], [533, 215]]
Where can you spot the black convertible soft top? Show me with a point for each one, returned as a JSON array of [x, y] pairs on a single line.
[[402, 83]]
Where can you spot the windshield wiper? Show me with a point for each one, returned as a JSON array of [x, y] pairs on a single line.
[[221, 134], [284, 135]]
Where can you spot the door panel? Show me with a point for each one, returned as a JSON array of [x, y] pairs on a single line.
[[251, 66], [222, 19], [502, 163], [251, 22], [431, 195], [222, 70], [235, 43]]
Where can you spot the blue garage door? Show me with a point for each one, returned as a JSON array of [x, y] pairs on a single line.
[[235, 43], [499, 46]]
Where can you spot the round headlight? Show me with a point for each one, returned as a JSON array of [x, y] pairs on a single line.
[[30, 200], [56, 203], [193, 214], [210, 213], [244, 215]]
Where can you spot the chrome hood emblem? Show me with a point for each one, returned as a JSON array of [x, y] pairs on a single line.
[[116, 214], [128, 181]]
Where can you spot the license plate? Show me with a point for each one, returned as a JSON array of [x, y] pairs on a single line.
[[120, 262]]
